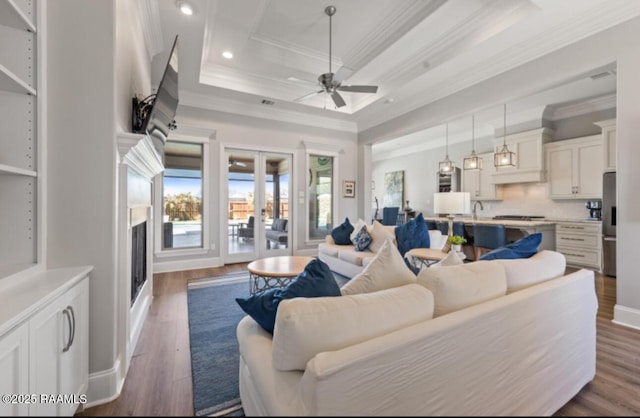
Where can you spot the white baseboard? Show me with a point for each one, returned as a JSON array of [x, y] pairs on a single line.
[[104, 386], [180, 265], [629, 317]]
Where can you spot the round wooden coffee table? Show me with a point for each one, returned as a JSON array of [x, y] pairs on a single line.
[[271, 272]]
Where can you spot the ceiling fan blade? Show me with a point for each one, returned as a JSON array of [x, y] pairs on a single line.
[[308, 96], [337, 99], [359, 89], [342, 74]]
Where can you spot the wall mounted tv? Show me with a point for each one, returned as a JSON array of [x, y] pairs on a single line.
[[154, 115]]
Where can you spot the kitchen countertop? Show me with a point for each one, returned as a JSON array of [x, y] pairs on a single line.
[[491, 221]]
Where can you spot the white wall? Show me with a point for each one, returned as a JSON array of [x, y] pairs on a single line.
[[81, 157], [628, 199]]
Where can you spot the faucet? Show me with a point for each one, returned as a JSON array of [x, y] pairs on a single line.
[[474, 215]]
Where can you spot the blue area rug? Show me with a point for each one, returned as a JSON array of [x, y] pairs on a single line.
[[213, 318]]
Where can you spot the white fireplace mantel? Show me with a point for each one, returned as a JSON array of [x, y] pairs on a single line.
[[138, 152]]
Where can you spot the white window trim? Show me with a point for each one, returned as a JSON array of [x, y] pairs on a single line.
[[323, 151], [206, 210]]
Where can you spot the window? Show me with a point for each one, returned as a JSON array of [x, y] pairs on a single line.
[[182, 196], [320, 196]]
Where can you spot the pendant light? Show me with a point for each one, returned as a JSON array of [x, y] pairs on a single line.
[[472, 162], [504, 158], [446, 165]]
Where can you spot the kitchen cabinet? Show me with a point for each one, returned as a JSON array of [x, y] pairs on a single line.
[[574, 168], [44, 341], [530, 162], [608, 143], [581, 244], [479, 183]]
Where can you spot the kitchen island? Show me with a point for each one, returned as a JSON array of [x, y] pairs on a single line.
[[516, 229]]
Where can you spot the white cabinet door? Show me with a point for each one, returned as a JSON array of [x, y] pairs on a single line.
[[530, 158], [479, 183], [59, 351], [608, 143], [74, 362], [14, 370], [47, 331], [560, 171], [471, 183], [487, 189], [574, 168], [588, 172]]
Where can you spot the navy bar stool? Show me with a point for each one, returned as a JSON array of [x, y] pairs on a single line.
[[488, 237], [431, 224], [390, 215], [443, 226]]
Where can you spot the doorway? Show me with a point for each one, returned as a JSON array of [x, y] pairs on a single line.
[[258, 222]]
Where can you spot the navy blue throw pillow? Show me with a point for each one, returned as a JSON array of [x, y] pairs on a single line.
[[412, 234], [362, 240], [341, 233], [315, 281], [523, 248]]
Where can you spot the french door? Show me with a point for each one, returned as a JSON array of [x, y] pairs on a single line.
[[258, 221]]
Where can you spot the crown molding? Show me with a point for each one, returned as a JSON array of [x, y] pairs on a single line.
[[151, 29], [592, 22], [389, 31], [260, 111], [588, 106]]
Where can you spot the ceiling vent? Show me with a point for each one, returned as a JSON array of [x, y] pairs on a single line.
[[268, 102]]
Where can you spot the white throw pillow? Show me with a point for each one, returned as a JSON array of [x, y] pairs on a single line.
[[524, 272], [357, 227], [308, 326], [451, 259], [379, 234], [458, 287], [386, 270]]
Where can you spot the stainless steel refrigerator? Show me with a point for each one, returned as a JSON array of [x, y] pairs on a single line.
[[609, 224]]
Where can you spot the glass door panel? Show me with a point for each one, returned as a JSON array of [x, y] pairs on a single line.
[[257, 221], [276, 198]]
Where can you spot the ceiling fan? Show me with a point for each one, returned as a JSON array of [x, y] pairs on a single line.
[[332, 83], [237, 163]]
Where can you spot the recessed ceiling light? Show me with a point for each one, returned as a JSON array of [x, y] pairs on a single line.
[[227, 54], [389, 100], [185, 8]]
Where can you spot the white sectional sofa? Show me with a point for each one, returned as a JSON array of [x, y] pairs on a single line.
[[345, 260], [526, 352]]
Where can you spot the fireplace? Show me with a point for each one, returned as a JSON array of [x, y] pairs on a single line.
[[138, 258]]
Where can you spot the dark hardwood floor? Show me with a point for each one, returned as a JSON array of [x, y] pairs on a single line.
[[159, 378]]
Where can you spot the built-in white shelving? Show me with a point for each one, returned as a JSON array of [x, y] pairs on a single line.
[[11, 82], [13, 17], [7, 169], [21, 137]]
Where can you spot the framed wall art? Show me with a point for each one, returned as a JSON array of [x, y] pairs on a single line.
[[349, 188]]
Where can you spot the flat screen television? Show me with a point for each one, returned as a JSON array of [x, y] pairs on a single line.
[[155, 114]]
